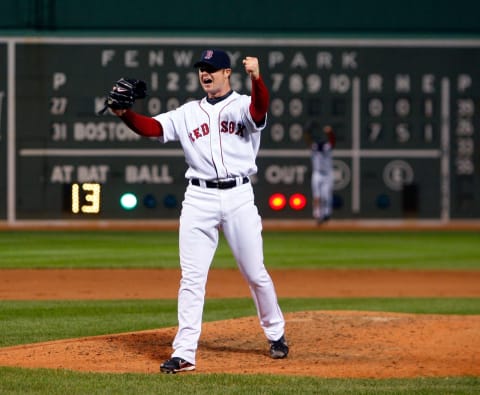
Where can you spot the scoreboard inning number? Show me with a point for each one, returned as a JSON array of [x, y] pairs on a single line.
[[86, 198]]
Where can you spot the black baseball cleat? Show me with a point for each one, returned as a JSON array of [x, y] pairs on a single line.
[[278, 348], [175, 365]]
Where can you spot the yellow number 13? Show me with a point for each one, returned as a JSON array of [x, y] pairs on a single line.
[[91, 198]]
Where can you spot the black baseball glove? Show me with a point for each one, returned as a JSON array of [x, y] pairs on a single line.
[[124, 93]]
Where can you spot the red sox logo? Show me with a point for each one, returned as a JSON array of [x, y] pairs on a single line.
[[208, 54], [227, 127]]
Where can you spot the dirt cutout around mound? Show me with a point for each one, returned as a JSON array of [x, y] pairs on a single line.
[[323, 343]]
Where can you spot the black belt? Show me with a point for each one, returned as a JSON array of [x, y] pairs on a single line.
[[219, 184]]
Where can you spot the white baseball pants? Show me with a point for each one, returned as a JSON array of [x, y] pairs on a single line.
[[204, 211]]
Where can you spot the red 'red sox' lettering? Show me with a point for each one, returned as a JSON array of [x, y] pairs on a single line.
[[203, 130], [225, 127], [232, 127]]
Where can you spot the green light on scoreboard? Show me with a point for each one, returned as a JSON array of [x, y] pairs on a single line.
[[128, 201]]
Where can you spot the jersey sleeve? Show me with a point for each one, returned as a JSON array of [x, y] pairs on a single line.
[[142, 125], [260, 101], [170, 121], [253, 125]]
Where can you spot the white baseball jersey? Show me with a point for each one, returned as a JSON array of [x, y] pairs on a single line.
[[220, 141]]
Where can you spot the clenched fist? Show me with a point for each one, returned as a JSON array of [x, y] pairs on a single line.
[[252, 67]]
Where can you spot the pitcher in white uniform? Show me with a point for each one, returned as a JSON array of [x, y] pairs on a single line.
[[220, 136]]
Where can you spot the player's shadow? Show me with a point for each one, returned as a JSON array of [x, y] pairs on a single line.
[[154, 345], [219, 346], [157, 345]]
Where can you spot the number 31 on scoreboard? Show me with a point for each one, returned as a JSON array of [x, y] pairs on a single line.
[[86, 198]]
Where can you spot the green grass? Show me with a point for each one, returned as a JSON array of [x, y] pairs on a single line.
[[43, 381], [35, 321], [309, 250]]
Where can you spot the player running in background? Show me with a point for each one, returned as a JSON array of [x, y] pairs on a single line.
[[220, 137], [322, 170]]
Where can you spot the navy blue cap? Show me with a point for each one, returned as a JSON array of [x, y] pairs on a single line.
[[215, 58]]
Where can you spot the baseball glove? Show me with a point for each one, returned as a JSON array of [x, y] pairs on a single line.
[[124, 93]]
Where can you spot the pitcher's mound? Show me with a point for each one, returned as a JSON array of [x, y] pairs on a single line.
[[322, 343]]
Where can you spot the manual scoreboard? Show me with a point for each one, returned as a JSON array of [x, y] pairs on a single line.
[[405, 112]]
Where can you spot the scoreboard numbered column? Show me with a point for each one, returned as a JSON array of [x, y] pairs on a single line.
[[405, 112]]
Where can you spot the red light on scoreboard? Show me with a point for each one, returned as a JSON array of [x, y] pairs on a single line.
[[297, 201], [277, 201]]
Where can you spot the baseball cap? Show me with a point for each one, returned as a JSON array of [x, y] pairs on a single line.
[[215, 58]]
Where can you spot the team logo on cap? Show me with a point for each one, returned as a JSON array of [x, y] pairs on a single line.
[[208, 54]]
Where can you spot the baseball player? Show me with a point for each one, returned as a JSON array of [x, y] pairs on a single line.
[[322, 171], [220, 136]]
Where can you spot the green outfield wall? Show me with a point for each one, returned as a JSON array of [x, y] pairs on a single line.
[[274, 16]]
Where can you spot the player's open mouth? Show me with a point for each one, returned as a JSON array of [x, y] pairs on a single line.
[[207, 80]]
